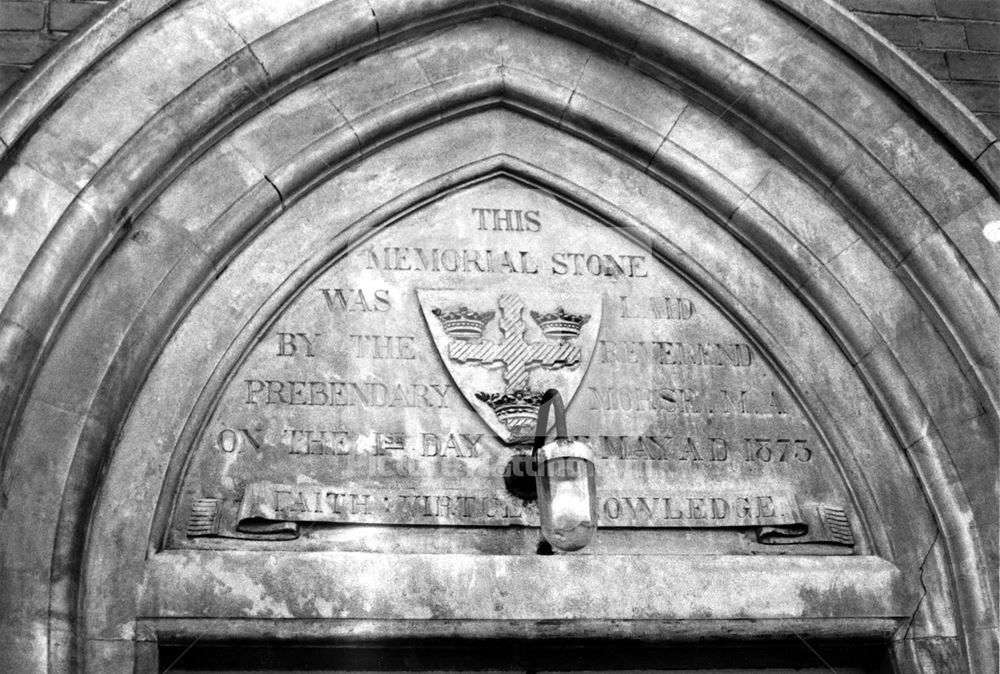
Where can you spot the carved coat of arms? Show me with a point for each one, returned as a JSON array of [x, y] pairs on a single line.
[[504, 350]]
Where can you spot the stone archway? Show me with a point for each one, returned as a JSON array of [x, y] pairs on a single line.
[[819, 195]]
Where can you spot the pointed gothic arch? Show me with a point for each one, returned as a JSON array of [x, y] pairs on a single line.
[[799, 172]]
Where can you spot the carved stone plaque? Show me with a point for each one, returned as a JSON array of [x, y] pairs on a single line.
[[394, 389]]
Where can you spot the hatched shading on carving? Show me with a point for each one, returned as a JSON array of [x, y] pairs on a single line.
[[838, 526], [204, 518], [517, 405]]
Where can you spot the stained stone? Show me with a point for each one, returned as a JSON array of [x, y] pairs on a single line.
[[284, 287], [397, 385]]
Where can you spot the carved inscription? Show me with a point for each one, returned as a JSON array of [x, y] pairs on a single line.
[[231, 440], [676, 353], [345, 394], [672, 400], [383, 347], [691, 510], [292, 343], [687, 448], [659, 308], [395, 388], [776, 517], [507, 220], [354, 299], [666, 449], [317, 442], [489, 261]]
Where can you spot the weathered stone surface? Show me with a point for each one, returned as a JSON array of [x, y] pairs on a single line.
[[967, 232], [226, 171], [708, 138], [901, 226], [29, 196], [828, 19], [432, 593], [118, 100], [242, 319], [926, 170], [800, 209], [370, 389]]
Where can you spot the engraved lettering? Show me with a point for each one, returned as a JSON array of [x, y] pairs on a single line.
[[254, 387], [599, 264], [355, 300], [389, 442], [317, 503], [780, 450], [232, 440], [690, 511], [383, 347], [416, 259], [735, 404], [481, 212], [431, 444], [227, 440], [290, 343], [316, 442], [347, 394], [628, 399], [502, 220], [676, 353], [470, 258], [775, 407], [719, 449], [657, 308], [458, 446], [506, 220], [765, 506], [532, 221]]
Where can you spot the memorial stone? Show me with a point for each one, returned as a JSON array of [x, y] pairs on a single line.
[[395, 387]]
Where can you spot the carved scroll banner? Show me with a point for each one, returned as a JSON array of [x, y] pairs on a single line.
[[273, 511]]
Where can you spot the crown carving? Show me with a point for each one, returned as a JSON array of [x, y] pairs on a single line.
[[463, 323], [559, 324], [517, 410]]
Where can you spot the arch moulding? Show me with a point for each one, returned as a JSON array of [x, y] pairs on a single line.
[[820, 197]]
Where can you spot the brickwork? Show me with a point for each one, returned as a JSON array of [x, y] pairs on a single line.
[[956, 41], [30, 28]]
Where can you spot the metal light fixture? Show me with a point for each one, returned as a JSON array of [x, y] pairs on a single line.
[[565, 481]]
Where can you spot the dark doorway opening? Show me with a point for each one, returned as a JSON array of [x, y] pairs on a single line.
[[804, 655]]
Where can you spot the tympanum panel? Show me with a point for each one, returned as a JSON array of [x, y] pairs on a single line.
[[396, 386]]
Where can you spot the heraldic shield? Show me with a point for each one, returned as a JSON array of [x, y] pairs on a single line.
[[504, 349]]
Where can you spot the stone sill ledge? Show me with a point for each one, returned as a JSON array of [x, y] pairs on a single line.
[[440, 587]]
